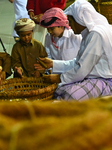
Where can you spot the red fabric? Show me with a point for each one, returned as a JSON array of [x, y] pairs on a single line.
[[47, 4], [40, 6], [55, 12], [34, 5], [54, 43]]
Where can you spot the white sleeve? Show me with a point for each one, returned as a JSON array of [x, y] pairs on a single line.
[[86, 61], [88, 56], [60, 66]]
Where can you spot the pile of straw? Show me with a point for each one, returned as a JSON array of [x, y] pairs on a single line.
[[56, 126]]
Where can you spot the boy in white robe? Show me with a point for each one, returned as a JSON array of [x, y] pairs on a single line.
[[20, 12], [60, 43]]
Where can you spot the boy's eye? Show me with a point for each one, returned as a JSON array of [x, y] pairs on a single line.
[[28, 34]]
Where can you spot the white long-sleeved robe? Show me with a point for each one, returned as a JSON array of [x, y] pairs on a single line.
[[91, 61], [68, 45]]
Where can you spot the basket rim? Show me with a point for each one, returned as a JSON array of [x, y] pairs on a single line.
[[48, 88], [23, 79]]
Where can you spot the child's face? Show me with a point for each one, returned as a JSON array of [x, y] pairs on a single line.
[[26, 36], [56, 31]]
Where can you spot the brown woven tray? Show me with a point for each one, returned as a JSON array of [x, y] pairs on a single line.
[[104, 8], [26, 88]]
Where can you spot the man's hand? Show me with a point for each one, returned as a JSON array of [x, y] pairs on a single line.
[[19, 71], [52, 78], [36, 74], [37, 18], [11, 1], [47, 61]]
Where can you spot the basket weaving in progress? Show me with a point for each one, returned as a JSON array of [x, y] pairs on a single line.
[[27, 87]]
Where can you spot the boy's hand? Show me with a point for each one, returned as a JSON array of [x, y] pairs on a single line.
[[2, 76], [36, 74], [47, 61], [52, 78], [19, 71]]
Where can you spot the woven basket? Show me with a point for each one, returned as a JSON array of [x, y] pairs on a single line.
[[26, 89], [104, 8]]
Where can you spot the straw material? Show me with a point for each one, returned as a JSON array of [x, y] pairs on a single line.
[[105, 8], [26, 88], [56, 126]]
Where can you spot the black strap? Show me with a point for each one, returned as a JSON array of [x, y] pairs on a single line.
[[2, 45], [49, 23]]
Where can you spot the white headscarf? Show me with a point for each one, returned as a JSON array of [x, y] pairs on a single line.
[[24, 24], [85, 14]]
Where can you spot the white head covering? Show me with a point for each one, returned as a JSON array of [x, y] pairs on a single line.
[[85, 14], [24, 24]]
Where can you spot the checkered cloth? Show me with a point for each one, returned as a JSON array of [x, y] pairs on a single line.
[[59, 14], [86, 89]]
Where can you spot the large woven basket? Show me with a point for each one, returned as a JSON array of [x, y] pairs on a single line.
[[104, 8], [26, 89]]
